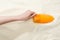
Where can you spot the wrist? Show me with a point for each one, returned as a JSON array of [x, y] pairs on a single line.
[[17, 18]]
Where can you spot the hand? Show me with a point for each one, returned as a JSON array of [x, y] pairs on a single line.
[[25, 16]]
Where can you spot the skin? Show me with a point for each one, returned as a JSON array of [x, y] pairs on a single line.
[[23, 17]]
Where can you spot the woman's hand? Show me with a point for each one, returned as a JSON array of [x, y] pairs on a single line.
[[25, 16]]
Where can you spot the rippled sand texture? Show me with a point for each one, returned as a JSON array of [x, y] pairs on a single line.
[[13, 30]]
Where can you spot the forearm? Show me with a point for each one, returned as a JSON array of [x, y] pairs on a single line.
[[6, 19]]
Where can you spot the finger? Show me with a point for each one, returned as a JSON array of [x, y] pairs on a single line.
[[29, 13], [30, 17], [33, 15]]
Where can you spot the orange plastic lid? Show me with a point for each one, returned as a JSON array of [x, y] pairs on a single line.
[[42, 18]]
